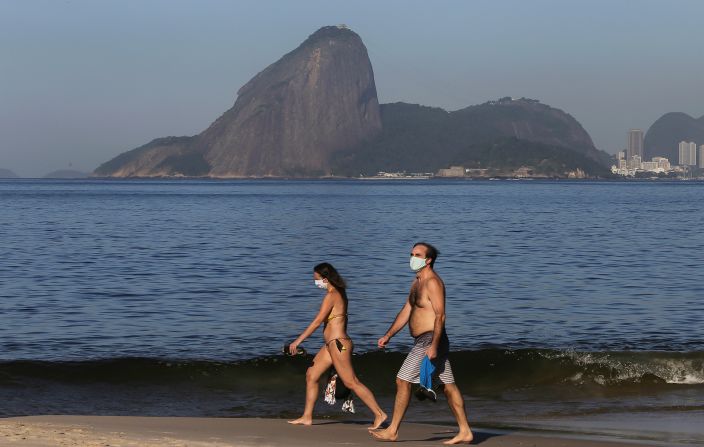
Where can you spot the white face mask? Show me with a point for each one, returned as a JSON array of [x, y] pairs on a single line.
[[321, 284], [417, 263]]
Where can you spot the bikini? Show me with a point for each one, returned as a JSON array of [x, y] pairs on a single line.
[[338, 343]]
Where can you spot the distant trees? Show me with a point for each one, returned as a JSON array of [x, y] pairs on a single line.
[[425, 139]]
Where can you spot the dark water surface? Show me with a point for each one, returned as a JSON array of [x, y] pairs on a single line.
[[574, 297]]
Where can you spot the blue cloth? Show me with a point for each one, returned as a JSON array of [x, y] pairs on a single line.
[[426, 373]]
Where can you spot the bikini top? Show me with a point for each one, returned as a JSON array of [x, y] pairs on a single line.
[[332, 317]]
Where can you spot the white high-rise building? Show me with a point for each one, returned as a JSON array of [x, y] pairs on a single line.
[[683, 159], [687, 153], [701, 156]]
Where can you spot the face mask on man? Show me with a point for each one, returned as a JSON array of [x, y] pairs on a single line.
[[417, 263], [321, 284]]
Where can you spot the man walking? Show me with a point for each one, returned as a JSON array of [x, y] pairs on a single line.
[[424, 312]]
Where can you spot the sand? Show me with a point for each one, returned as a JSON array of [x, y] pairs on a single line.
[[128, 431]]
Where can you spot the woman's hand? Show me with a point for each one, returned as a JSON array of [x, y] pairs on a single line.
[[293, 348]]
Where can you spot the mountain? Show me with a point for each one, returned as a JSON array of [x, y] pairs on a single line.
[[504, 134], [664, 135], [287, 121], [6, 173], [67, 174], [315, 113], [160, 157]]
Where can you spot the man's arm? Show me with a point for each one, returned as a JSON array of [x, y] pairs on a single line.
[[436, 295], [401, 319]]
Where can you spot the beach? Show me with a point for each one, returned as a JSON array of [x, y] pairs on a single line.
[[173, 299], [133, 431]]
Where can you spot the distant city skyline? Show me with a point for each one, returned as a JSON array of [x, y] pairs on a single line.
[[631, 161], [84, 81]]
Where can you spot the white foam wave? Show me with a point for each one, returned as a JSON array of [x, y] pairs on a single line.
[[622, 367]]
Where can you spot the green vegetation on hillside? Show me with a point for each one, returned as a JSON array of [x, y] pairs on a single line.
[[510, 153], [424, 139]]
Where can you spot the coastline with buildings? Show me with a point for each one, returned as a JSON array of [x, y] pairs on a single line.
[[630, 162], [400, 175], [460, 172], [520, 173]]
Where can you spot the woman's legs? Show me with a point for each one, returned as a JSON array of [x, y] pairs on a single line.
[[321, 363], [343, 365]]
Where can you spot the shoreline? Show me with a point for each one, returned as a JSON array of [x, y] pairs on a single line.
[[138, 431], [370, 178]]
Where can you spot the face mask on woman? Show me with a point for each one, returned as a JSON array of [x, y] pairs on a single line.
[[417, 263], [321, 284]]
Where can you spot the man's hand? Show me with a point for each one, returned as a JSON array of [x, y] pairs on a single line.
[[431, 352], [293, 348], [381, 343]]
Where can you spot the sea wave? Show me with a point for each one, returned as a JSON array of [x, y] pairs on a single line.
[[479, 370]]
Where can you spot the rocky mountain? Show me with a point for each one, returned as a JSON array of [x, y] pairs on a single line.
[[287, 121], [315, 113], [507, 133], [664, 135], [6, 173]]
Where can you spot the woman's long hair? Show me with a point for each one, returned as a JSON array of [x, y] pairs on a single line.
[[327, 271]]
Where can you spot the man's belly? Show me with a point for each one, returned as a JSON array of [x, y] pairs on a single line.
[[420, 324]]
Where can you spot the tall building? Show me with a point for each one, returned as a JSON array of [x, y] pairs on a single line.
[[683, 157], [688, 153], [635, 144], [701, 156]]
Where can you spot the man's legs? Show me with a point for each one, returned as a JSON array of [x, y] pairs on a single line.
[[403, 396], [456, 403]]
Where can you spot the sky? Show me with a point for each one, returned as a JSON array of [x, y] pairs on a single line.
[[82, 81]]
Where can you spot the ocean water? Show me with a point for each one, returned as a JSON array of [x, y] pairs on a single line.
[[174, 297]]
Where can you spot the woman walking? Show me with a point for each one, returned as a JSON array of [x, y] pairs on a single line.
[[337, 349]]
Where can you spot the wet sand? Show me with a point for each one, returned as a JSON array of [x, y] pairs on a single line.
[[129, 431]]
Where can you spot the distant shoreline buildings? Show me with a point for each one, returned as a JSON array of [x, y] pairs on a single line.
[[630, 163]]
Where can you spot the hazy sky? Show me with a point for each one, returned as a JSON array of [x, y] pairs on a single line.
[[83, 80]]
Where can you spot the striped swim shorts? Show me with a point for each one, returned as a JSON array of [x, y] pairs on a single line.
[[410, 370]]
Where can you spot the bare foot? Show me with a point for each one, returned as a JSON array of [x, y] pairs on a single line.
[[460, 438], [384, 435], [378, 421], [301, 421]]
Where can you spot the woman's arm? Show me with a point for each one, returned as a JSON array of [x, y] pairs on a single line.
[[325, 309]]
